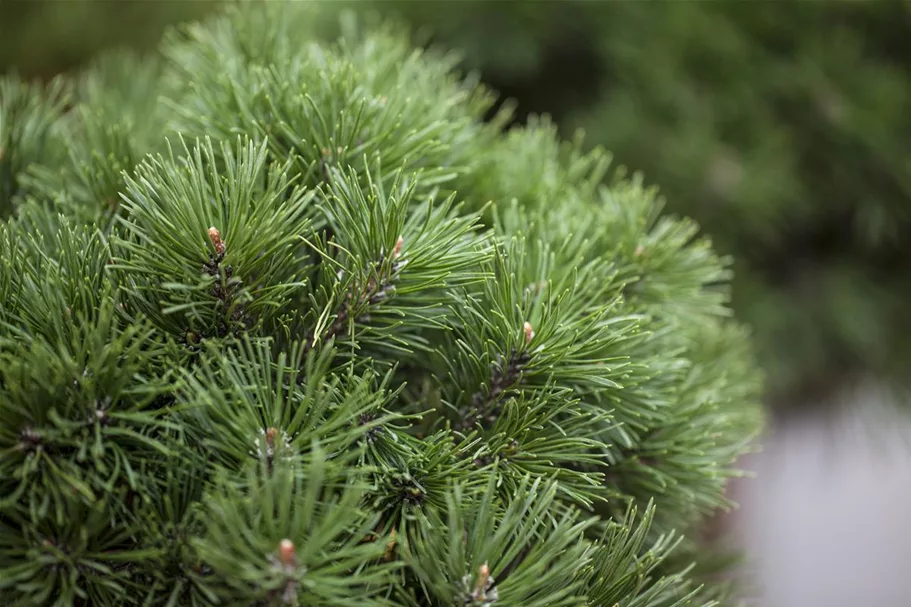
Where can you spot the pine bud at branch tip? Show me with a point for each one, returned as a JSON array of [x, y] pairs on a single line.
[[639, 251], [286, 553], [483, 578], [271, 433], [398, 248], [529, 332], [217, 242]]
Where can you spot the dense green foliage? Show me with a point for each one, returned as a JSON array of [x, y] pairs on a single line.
[[288, 322], [781, 128]]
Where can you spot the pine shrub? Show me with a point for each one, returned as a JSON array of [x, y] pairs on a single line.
[[287, 322]]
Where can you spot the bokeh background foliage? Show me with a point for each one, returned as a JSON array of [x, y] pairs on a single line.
[[781, 127], [42, 38]]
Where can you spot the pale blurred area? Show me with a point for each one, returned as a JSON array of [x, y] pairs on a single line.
[[826, 519]]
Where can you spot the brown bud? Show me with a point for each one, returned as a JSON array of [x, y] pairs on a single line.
[[639, 251], [483, 578], [398, 248], [286, 553], [271, 433], [529, 332], [217, 242]]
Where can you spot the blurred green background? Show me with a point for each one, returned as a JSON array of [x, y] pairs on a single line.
[[40, 38], [782, 127]]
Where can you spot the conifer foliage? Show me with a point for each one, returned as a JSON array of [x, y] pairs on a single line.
[[289, 323]]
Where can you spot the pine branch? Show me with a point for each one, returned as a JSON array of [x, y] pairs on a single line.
[[307, 554], [168, 258], [537, 551], [29, 117]]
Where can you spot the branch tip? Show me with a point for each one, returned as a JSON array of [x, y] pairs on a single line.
[[287, 554]]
